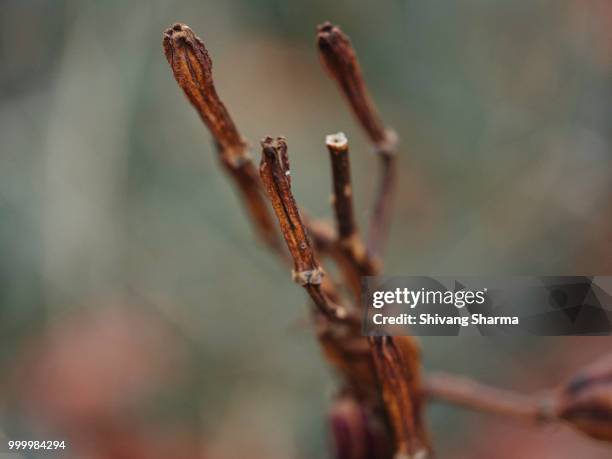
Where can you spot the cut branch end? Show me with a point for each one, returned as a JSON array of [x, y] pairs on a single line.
[[337, 142]]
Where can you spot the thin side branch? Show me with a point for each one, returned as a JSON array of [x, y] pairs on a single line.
[[276, 177], [341, 340], [381, 215], [472, 394], [340, 60], [192, 68], [342, 199]]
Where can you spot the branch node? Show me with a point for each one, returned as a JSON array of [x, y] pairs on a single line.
[[309, 276], [387, 146]]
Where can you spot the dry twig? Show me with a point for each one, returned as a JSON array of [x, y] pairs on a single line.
[[276, 177], [192, 68], [472, 394], [357, 262], [340, 60], [584, 402], [390, 365], [382, 393], [338, 327]]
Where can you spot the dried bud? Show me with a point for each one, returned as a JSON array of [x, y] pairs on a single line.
[[340, 60], [586, 401], [192, 68]]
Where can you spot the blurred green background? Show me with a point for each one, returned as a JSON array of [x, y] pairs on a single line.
[[137, 310]]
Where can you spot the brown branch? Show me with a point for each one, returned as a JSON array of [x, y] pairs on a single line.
[[398, 368], [192, 68], [584, 402], [276, 177], [356, 261], [472, 394], [342, 199], [338, 328], [325, 241], [381, 215], [340, 60]]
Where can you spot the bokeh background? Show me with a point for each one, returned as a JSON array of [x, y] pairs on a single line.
[[140, 318]]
